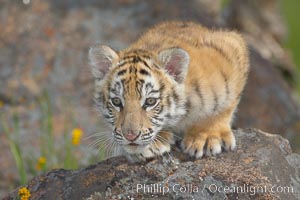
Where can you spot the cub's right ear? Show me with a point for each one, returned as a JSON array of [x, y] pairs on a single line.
[[101, 58]]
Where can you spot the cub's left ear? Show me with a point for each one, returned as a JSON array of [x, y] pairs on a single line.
[[176, 62]]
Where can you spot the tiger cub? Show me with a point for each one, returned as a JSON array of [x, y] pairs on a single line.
[[178, 78]]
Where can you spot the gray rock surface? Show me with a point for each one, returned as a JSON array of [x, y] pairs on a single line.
[[262, 167]]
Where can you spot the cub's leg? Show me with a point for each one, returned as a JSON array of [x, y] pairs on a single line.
[[209, 136], [160, 145]]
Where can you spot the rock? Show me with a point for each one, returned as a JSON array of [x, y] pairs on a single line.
[[267, 102], [262, 23], [262, 167], [275, 110], [263, 27]]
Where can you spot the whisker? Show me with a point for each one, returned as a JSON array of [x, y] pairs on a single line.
[[111, 149], [99, 141], [107, 150], [116, 149], [164, 140], [175, 135], [156, 139], [105, 143], [101, 148], [99, 134]]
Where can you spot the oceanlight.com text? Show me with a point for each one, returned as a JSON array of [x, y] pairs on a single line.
[[160, 188]]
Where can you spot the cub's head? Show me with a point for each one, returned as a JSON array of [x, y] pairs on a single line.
[[138, 92]]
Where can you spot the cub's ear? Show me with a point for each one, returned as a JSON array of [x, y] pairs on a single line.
[[101, 58], [176, 62]]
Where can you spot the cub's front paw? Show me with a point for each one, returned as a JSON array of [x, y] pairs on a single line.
[[208, 143]]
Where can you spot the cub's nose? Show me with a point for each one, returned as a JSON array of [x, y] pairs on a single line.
[[130, 136]]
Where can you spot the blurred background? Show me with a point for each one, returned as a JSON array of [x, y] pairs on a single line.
[[46, 89]]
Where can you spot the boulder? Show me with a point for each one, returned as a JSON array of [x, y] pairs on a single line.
[[262, 167]]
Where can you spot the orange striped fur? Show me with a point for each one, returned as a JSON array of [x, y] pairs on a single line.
[[178, 78]]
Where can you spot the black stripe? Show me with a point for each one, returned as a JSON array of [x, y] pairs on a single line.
[[168, 116], [148, 87], [125, 84], [162, 87], [132, 69], [152, 151], [121, 72], [161, 108], [100, 97], [156, 66], [155, 123], [141, 52], [114, 90], [188, 105], [139, 85], [218, 49], [154, 91], [146, 64], [168, 101], [146, 138], [136, 59], [108, 116], [127, 58], [211, 45], [156, 109], [144, 72], [216, 103], [158, 118], [225, 78], [138, 89], [118, 136], [122, 64], [198, 91], [175, 95]]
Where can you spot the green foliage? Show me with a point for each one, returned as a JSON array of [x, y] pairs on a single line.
[[291, 14], [56, 150], [224, 3], [13, 136], [47, 144]]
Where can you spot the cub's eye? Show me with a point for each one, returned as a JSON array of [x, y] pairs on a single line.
[[150, 102], [116, 102]]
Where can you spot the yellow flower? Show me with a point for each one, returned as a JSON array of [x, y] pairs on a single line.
[[24, 193], [41, 163], [1, 104], [76, 136]]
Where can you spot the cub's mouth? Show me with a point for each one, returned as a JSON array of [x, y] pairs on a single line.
[[133, 144]]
